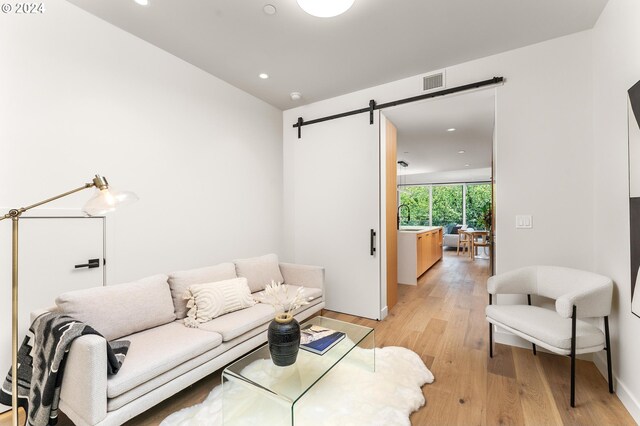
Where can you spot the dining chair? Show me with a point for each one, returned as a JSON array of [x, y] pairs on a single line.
[[465, 242], [481, 239]]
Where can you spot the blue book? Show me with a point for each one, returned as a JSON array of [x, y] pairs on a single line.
[[319, 340]]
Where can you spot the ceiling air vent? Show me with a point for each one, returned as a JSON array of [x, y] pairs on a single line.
[[433, 81]]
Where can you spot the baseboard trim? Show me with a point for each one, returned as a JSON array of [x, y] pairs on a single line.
[[383, 313], [628, 400]]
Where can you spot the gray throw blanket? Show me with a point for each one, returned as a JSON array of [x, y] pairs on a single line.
[[41, 361]]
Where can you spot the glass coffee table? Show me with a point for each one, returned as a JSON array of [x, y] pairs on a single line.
[[256, 391]]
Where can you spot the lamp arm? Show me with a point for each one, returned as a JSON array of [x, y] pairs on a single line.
[[17, 212]]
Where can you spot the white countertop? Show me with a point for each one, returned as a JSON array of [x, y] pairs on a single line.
[[417, 229]]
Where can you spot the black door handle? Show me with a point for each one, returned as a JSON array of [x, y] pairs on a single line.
[[92, 263], [372, 243]]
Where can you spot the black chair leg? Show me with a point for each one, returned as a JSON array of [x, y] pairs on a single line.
[[608, 348], [533, 344], [573, 358], [490, 340], [490, 331]]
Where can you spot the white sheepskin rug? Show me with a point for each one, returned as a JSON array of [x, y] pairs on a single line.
[[349, 395]]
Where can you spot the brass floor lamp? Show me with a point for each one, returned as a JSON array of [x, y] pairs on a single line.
[[104, 201]]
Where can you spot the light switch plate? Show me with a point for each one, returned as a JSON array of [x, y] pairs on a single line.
[[524, 221]]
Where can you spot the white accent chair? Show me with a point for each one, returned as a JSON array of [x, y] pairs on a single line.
[[578, 294]]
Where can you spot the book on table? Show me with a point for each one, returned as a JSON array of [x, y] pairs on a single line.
[[318, 339]]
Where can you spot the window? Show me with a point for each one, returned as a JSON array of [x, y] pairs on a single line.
[[417, 199], [448, 206], [478, 201]]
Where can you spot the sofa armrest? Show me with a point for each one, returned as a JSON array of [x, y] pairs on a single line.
[[84, 385], [303, 275], [35, 314], [518, 281]]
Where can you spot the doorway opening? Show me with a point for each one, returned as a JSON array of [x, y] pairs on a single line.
[[444, 185]]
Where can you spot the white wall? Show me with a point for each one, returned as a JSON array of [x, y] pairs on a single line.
[[80, 96], [616, 43], [453, 176], [543, 123]]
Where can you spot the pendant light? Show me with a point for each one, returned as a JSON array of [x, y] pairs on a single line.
[[325, 8]]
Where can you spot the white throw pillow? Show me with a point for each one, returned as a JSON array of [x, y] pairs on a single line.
[[180, 281], [259, 271], [210, 300]]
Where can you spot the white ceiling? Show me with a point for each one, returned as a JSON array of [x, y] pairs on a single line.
[[425, 143], [375, 42]]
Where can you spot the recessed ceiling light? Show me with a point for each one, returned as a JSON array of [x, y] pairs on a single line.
[[461, 151], [269, 9], [325, 8], [467, 165], [142, 2], [295, 96], [263, 76], [452, 129]]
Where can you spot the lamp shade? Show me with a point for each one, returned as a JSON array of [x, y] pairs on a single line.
[[325, 8], [107, 200]]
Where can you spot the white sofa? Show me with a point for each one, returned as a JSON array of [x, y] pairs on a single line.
[[165, 356]]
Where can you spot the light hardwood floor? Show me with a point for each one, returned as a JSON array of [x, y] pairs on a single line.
[[442, 319]]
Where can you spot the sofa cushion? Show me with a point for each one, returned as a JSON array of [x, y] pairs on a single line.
[[180, 281], [236, 323], [259, 271], [545, 325], [168, 376], [158, 350], [119, 310], [210, 300]]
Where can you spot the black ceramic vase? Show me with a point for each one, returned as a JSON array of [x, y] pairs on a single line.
[[284, 340]]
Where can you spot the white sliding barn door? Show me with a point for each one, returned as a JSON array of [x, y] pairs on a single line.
[[337, 205]]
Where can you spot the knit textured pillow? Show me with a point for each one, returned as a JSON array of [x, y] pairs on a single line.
[[210, 300]]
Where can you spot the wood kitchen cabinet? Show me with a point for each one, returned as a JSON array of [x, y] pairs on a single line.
[[428, 249], [418, 250]]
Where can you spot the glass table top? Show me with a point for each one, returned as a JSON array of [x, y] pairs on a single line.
[[293, 381]]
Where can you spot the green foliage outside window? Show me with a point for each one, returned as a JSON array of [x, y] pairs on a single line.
[[447, 205], [478, 203], [417, 199]]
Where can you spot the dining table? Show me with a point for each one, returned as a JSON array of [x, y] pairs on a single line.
[[478, 238]]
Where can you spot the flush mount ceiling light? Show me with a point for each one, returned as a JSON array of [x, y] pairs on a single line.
[[142, 2], [325, 8], [295, 96], [467, 165], [452, 129], [263, 76], [461, 151]]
